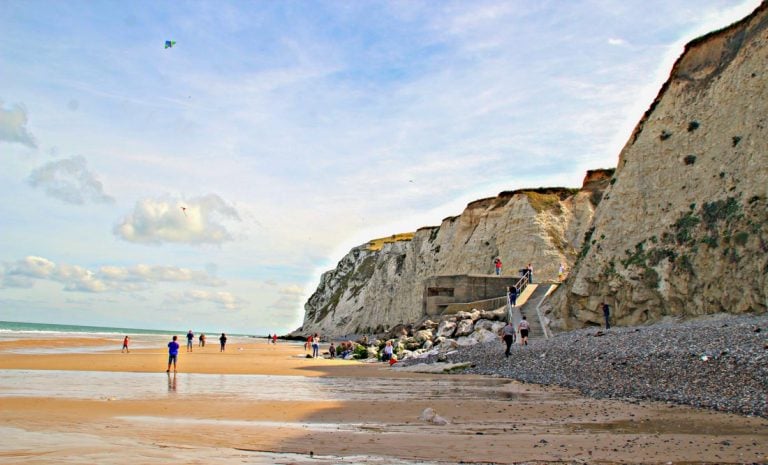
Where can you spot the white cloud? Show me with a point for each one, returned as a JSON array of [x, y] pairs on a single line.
[[196, 221], [616, 41], [223, 299], [13, 126], [24, 272], [292, 290], [69, 181]]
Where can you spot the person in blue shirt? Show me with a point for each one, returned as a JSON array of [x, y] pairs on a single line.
[[173, 354]]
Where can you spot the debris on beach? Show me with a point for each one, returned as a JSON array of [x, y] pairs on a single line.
[[429, 415]]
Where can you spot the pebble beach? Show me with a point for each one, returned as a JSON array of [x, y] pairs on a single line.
[[719, 363]]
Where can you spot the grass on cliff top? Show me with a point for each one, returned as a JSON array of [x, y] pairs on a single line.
[[377, 244], [544, 201]]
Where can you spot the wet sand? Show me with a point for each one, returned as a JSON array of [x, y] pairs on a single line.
[[258, 403]]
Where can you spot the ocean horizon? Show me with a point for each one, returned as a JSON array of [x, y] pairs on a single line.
[[51, 328]]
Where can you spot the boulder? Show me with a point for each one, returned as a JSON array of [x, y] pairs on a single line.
[[464, 328], [495, 315], [483, 335], [446, 328], [448, 344], [423, 335], [428, 324], [473, 315], [484, 324]]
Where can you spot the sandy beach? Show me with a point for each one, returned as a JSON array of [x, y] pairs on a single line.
[[262, 403]]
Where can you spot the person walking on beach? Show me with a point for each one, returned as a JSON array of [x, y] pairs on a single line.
[[497, 265], [190, 338], [201, 341], [173, 354], [274, 338], [125, 345], [332, 350], [607, 315], [222, 341], [315, 346], [508, 336], [524, 327]]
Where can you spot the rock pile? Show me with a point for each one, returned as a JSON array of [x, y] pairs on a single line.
[[450, 332], [719, 363]]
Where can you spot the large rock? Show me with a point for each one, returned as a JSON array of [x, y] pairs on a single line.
[[423, 335], [464, 328], [446, 328], [491, 326]]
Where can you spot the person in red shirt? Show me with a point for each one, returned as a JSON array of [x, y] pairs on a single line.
[[125, 345]]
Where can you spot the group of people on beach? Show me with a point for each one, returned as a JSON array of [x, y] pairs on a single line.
[[173, 347], [201, 341]]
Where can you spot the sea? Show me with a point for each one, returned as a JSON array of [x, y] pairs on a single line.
[[139, 338]]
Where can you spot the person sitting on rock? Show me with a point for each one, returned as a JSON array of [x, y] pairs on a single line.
[[387, 352]]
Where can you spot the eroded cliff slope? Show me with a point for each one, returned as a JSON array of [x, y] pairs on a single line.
[[683, 228], [377, 287]]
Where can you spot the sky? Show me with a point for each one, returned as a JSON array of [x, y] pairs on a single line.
[[209, 184]]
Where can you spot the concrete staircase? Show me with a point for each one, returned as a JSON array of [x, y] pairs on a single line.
[[528, 308]]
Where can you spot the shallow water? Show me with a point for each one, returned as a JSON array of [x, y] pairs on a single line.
[[19, 446], [96, 385], [137, 341]]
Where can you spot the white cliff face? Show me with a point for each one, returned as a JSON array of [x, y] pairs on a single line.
[[683, 229], [372, 291]]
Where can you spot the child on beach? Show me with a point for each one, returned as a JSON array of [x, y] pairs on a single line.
[[173, 354]]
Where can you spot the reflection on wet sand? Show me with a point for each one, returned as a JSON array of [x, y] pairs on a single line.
[[171, 382], [119, 385]]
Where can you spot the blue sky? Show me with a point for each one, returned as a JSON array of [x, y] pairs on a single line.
[[208, 185]]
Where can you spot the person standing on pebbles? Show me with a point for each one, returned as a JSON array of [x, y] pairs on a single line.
[[508, 336], [524, 327], [607, 314]]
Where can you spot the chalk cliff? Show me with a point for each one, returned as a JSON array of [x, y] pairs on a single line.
[[683, 228], [379, 285]]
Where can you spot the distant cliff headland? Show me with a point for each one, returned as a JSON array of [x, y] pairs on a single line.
[[679, 229]]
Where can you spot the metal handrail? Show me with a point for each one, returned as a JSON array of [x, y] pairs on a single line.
[[519, 286]]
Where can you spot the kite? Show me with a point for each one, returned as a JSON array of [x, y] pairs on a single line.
[[184, 210], [170, 43]]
